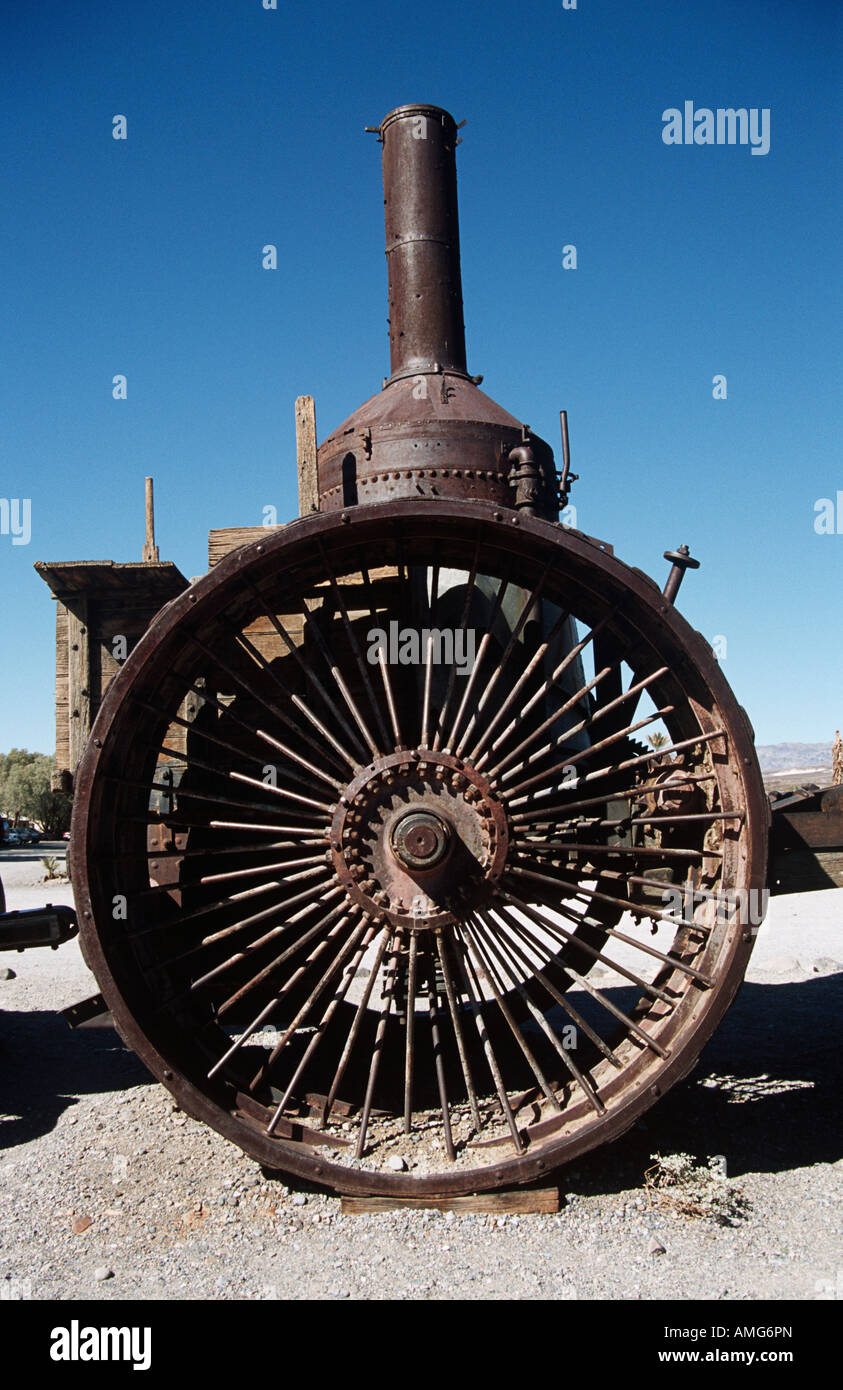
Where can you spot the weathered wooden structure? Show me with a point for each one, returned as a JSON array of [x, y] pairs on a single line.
[[806, 841], [102, 610]]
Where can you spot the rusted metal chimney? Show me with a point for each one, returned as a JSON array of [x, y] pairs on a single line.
[[430, 432], [426, 330]]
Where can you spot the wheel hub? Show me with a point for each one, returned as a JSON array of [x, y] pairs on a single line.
[[415, 830], [421, 840]]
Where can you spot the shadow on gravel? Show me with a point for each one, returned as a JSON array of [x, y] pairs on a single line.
[[774, 1070], [775, 1063], [44, 1066]]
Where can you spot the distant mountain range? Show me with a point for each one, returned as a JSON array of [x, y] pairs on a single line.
[[786, 757]]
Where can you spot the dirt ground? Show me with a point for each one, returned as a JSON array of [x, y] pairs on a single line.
[[107, 1191]]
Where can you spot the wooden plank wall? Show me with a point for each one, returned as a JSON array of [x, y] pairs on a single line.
[[222, 542], [88, 659]]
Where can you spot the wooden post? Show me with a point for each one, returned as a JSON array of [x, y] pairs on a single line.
[[306, 455], [78, 680], [150, 549], [544, 1199]]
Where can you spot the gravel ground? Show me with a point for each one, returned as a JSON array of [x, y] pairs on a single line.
[[108, 1191]]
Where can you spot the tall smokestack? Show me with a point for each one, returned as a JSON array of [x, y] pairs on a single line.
[[426, 330], [430, 431]]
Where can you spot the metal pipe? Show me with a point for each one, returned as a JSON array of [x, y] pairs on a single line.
[[426, 329]]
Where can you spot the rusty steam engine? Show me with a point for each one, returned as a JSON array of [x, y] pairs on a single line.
[[415, 847]]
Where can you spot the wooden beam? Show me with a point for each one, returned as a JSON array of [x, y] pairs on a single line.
[[306, 455], [62, 712], [150, 549], [545, 1199], [78, 680]]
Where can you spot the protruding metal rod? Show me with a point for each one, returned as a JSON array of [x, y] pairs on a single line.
[[682, 560], [150, 549], [566, 478], [426, 330]]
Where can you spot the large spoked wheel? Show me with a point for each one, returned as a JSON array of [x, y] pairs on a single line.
[[419, 849]]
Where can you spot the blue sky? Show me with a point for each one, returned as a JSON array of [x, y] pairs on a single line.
[[245, 127]]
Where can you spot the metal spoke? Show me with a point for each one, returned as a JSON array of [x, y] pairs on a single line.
[[497, 988], [648, 757], [474, 996], [516, 689], [452, 677], [305, 830], [307, 670], [221, 852], [591, 989], [264, 869], [438, 1064], [258, 657], [568, 733], [593, 1098], [239, 752], [587, 723], [628, 793], [310, 895], [354, 1030], [184, 793], [296, 757], [229, 715], [409, 1032], [511, 947], [281, 791], [485, 642], [527, 608], [339, 996], [355, 647], [322, 984], [306, 937], [271, 1006], [573, 758], [248, 951], [312, 624], [246, 686], [657, 914], [458, 1033], [388, 1000], [564, 938], [428, 677], [424, 734], [390, 698], [158, 890], [552, 680], [553, 847]]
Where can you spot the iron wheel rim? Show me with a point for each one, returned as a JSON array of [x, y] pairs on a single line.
[[570, 564]]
